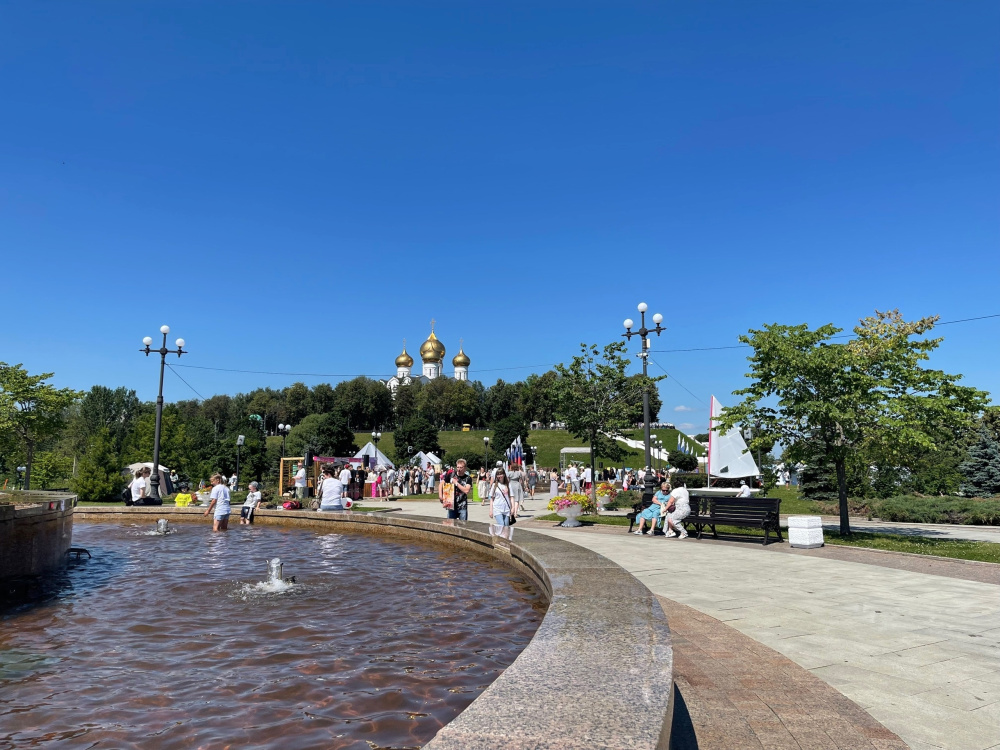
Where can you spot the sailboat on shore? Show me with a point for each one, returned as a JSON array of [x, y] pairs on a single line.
[[728, 456]]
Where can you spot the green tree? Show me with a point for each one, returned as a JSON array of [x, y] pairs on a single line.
[[539, 400], [655, 403], [417, 434], [683, 461], [113, 410], [405, 403], [99, 475], [298, 403], [364, 403], [49, 467], [596, 397], [870, 394], [506, 432], [501, 400], [302, 434], [324, 398], [31, 410], [447, 402], [982, 467], [333, 437]]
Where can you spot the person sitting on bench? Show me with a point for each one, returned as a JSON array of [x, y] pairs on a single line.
[[655, 510], [676, 508]]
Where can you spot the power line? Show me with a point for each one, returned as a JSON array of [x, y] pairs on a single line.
[[671, 377], [838, 336], [185, 382]]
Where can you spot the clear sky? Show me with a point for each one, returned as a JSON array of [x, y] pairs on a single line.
[[296, 187]]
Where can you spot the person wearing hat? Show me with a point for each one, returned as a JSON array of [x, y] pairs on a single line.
[[744, 489]]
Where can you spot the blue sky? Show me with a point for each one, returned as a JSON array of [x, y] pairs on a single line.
[[298, 187]]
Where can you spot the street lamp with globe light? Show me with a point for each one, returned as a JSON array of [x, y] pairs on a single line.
[[643, 332], [284, 429], [376, 436], [486, 447], [154, 479]]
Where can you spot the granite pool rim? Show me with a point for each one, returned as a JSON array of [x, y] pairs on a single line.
[[598, 671]]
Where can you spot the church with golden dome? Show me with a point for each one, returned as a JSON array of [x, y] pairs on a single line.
[[432, 354]]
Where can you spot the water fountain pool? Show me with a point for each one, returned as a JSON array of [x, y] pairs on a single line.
[[175, 641]]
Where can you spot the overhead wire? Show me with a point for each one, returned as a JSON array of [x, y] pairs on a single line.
[[171, 367]]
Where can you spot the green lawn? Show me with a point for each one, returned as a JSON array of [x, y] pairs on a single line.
[[469, 445]]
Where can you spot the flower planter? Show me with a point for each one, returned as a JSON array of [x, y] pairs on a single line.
[[570, 513]]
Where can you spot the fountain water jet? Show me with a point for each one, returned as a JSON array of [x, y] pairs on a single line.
[[162, 527]]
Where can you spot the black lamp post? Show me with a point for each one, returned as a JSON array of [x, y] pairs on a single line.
[[284, 429], [154, 479], [486, 446], [534, 457], [643, 333], [376, 436], [239, 444]]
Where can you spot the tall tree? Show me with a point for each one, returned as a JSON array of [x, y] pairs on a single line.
[[506, 432], [99, 476], [982, 467], [113, 410], [364, 403], [416, 434], [31, 410], [595, 397], [867, 394]]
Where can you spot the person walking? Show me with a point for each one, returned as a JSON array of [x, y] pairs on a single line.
[[553, 482], [463, 486], [220, 502], [532, 480], [483, 485], [503, 506], [515, 484]]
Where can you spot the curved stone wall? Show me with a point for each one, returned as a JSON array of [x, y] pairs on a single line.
[[598, 672], [35, 535]]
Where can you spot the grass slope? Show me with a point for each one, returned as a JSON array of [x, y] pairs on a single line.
[[469, 445]]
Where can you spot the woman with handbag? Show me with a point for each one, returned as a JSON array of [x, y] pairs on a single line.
[[503, 509]]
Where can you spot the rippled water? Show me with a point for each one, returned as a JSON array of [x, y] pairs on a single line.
[[169, 642]]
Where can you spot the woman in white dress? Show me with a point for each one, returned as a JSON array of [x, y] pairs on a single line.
[[483, 485]]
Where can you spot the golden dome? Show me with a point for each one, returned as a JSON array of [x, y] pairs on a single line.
[[432, 350], [461, 359], [404, 359]]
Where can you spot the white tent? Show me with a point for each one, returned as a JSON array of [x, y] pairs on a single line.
[[166, 486], [421, 459], [370, 450]]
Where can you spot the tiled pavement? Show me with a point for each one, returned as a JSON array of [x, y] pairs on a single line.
[[919, 652]]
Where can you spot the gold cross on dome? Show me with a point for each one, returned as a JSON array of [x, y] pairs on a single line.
[[432, 325]]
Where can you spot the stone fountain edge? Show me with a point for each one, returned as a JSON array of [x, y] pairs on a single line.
[[598, 672]]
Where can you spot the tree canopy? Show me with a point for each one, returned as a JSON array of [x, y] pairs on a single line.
[[869, 394]]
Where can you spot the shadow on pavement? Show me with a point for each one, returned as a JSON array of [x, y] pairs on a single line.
[[682, 735]]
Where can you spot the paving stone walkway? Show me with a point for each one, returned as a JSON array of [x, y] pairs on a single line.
[[919, 651], [734, 693]]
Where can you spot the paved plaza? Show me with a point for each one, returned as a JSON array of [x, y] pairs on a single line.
[[919, 652]]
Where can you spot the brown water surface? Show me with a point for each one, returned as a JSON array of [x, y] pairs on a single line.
[[169, 641]]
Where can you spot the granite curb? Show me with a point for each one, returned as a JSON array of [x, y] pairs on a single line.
[[604, 640]]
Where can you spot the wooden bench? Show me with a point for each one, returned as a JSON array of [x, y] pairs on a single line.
[[754, 513], [639, 507]]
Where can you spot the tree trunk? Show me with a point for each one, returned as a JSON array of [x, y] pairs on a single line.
[[845, 523], [30, 448], [593, 478]]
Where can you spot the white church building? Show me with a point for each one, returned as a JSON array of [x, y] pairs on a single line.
[[432, 353]]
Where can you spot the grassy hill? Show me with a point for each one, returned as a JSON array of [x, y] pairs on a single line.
[[469, 445]]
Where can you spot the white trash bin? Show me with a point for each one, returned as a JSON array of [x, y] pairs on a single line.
[[805, 532]]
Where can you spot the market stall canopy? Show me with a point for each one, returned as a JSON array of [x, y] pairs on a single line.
[[370, 450], [422, 459], [166, 486]]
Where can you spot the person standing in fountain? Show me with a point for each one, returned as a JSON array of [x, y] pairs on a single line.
[[220, 501], [463, 486]]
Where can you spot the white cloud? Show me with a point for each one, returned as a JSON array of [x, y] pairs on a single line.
[[684, 408], [685, 425]]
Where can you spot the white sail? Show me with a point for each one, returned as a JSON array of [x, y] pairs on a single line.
[[727, 453]]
